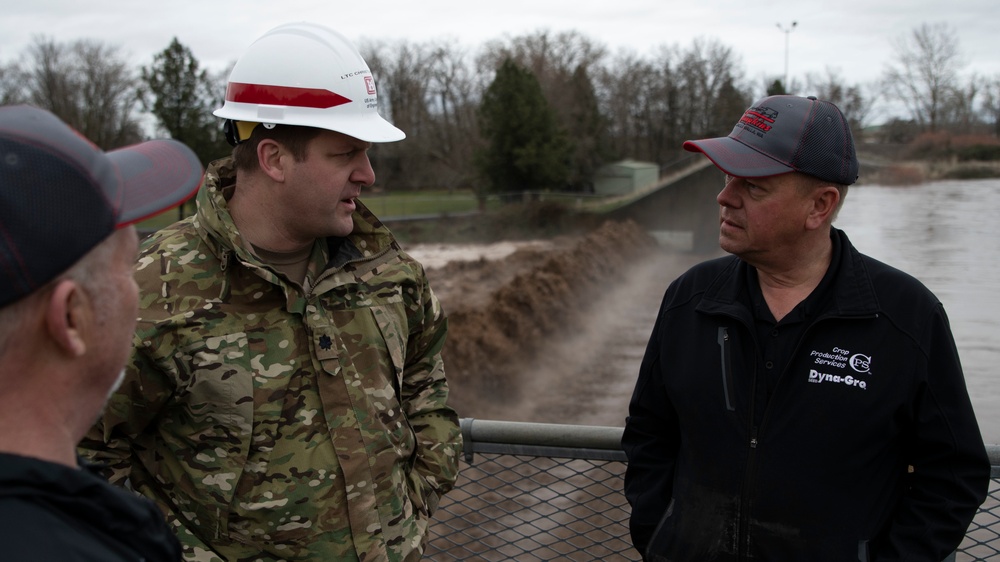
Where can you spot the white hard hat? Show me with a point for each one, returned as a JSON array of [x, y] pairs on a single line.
[[310, 75]]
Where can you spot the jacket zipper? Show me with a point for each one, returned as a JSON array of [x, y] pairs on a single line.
[[743, 552], [743, 511], [727, 372]]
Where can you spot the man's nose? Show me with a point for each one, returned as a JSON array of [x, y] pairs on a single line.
[[364, 174], [727, 197]]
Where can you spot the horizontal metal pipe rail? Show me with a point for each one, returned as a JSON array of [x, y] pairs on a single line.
[[541, 440], [534, 491]]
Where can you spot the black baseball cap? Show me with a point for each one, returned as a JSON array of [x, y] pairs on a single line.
[[60, 195], [782, 134]]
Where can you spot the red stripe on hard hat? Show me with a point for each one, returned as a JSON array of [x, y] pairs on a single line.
[[283, 95]]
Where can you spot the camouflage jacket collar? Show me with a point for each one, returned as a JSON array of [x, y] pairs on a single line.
[[222, 236]]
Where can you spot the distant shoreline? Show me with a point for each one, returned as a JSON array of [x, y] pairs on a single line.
[[877, 169]]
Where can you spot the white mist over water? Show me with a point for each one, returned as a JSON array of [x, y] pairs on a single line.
[[945, 234]]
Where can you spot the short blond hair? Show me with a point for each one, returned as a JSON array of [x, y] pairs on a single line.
[[810, 183]]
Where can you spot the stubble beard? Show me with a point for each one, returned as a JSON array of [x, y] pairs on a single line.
[[111, 392]]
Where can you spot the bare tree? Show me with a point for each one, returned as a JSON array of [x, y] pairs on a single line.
[[402, 75], [925, 73], [959, 110], [991, 102], [429, 91], [659, 115], [49, 79], [552, 58], [852, 100], [89, 86], [399, 71], [629, 98], [654, 104], [11, 84], [454, 101], [708, 73]]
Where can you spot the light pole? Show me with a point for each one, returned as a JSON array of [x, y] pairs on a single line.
[[787, 31]]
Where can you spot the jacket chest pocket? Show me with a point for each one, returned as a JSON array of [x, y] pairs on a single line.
[[219, 389], [366, 342], [213, 425], [364, 352]]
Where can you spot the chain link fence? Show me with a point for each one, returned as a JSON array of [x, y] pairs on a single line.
[[532, 492]]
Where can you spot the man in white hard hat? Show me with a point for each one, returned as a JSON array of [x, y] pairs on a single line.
[[286, 398], [67, 311]]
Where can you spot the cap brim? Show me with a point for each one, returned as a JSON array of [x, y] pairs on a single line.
[[156, 176], [737, 159]]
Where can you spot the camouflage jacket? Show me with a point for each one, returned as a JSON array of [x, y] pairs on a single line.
[[276, 423]]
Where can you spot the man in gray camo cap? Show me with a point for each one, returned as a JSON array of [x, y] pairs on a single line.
[[67, 311], [798, 400]]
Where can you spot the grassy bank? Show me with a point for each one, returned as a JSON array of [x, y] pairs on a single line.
[[913, 172], [529, 221], [454, 219]]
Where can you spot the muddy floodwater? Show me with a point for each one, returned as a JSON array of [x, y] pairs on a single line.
[[944, 233], [553, 331], [947, 234]]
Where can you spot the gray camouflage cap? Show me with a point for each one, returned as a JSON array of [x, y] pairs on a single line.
[[782, 134], [60, 195]]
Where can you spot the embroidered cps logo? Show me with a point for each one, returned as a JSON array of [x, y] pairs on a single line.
[[861, 363]]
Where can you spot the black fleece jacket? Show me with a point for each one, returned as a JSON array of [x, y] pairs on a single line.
[[819, 469], [53, 512]]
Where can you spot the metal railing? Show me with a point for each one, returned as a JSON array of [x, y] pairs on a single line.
[[531, 492]]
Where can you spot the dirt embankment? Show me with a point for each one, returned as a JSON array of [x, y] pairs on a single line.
[[554, 332]]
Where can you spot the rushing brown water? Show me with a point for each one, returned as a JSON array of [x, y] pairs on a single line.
[[947, 234], [944, 233]]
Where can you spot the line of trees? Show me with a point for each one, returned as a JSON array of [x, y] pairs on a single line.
[[545, 110], [533, 112], [91, 86]]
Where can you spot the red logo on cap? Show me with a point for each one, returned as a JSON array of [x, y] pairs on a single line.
[[370, 84], [759, 118]]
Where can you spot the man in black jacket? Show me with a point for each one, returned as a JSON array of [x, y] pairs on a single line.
[[68, 306], [798, 401]]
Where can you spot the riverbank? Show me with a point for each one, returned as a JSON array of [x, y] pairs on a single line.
[[560, 369], [551, 331], [512, 223], [892, 165]]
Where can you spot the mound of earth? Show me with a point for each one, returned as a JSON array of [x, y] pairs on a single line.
[[554, 331]]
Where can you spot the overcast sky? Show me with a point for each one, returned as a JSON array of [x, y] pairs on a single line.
[[853, 37]]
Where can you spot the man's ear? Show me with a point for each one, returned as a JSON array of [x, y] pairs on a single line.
[[825, 201], [269, 157], [67, 317]]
